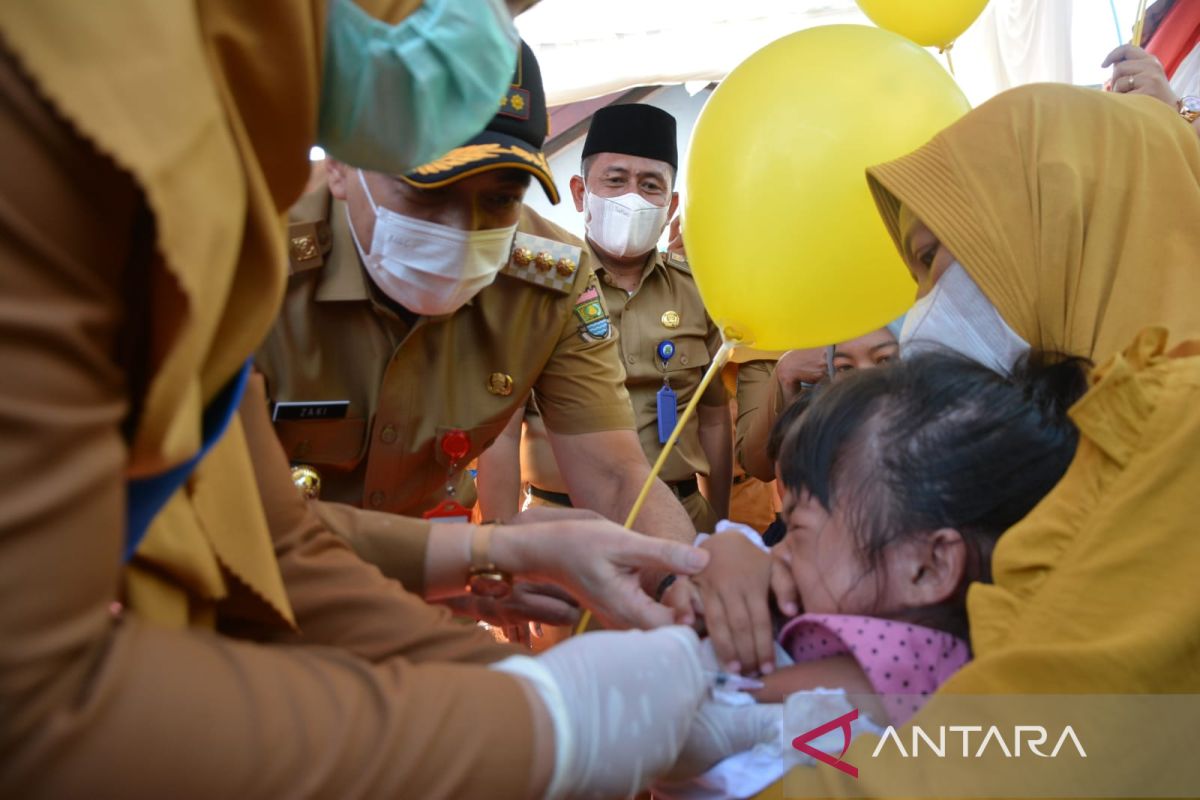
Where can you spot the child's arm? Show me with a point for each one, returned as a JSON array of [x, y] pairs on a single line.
[[836, 672]]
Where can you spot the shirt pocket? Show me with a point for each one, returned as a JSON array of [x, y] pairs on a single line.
[[691, 353], [335, 443]]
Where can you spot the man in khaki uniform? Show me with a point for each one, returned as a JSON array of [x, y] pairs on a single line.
[[415, 323], [667, 339]]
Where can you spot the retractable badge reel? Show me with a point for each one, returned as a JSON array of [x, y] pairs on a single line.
[[668, 407], [455, 444]]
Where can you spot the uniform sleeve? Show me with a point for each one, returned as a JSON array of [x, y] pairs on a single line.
[[94, 702], [759, 400], [394, 544], [715, 394], [582, 387]]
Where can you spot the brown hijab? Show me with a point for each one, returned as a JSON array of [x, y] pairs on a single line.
[[1076, 211]]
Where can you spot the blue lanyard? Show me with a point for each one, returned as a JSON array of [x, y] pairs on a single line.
[[147, 496]]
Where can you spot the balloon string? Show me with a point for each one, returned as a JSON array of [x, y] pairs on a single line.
[[1112, 5], [719, 361], [1141, 21], [949, 61]]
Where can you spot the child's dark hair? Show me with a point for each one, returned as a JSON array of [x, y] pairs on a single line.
[[937, 441]]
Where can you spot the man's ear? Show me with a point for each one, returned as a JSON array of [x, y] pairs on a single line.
[[674, 205], [577, 189], [338, 175], [933, 567]]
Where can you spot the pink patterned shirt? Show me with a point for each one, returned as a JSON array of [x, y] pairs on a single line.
[[902, 661]]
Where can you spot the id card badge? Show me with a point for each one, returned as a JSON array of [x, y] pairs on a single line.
[[667, 413], [448, 511], [455, 443]]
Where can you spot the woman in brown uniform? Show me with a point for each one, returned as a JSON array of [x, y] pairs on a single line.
[[244, 650]]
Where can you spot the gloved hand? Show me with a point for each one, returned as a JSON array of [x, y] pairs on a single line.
[[720, 730], [621, 705]]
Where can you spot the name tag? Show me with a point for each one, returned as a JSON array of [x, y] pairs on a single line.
[[320, 409]]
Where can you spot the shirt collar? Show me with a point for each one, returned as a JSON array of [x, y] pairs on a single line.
[[654, 261], [344, 277]]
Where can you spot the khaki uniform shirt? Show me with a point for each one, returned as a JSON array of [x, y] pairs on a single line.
[[410, 382], [666, 305]]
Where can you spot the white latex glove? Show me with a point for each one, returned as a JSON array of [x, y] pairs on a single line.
[[621, 703], [747, 773], [720, 730]]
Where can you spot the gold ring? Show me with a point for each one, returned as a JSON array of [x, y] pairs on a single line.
[[1131, 82]]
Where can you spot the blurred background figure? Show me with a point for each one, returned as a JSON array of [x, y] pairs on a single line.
[[752, 501], [866, 352], [767, 387]]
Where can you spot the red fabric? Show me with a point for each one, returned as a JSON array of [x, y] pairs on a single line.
[[1177, 35]]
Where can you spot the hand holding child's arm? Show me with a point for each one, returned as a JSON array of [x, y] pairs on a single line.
[[783, 585], [731, 594]]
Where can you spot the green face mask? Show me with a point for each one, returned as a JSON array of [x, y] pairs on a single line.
[[394, 97]]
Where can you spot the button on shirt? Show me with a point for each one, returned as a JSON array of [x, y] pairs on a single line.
[[641, 318]]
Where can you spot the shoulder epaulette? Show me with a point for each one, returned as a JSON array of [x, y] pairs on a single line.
[[678, 262], [308, 244], [545, 262]]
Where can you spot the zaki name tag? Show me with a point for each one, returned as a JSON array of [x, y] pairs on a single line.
[[317, 409]]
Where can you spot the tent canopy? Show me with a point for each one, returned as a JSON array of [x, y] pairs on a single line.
[[591, 48]]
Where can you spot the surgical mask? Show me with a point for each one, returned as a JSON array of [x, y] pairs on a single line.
[[957, 315], [429, 268], [394, 97], [628, 225]]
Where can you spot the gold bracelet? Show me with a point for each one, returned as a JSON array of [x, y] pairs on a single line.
[[484, 578]]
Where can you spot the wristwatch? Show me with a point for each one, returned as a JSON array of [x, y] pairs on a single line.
[[1189, 107], [484, 578]]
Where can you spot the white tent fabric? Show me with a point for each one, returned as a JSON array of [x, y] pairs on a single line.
[[591, 49], [588, 49], [1023, 41]]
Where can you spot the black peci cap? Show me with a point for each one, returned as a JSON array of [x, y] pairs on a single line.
[[633, 129], [512, 140]]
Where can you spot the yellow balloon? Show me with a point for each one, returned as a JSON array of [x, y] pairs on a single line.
[[781, 232], [929, 23]]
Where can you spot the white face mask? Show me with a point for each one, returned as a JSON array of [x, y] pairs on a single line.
[[957, 315], [429, 268], [624, 226]]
